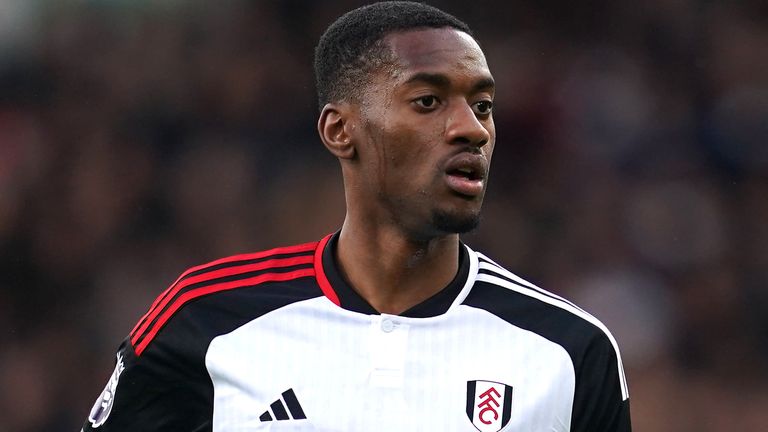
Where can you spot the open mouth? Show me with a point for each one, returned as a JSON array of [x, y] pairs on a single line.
[[466, 180], [467, 173]]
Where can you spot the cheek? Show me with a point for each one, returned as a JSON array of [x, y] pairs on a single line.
[[402, 146], [412, 158], [489, 150]]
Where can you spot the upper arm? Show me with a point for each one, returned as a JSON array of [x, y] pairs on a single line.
[[600, 404], [157, 391]]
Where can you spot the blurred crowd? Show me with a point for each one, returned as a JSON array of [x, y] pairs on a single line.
[[139, 138]]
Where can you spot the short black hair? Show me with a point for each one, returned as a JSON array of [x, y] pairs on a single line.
[[351, 47]]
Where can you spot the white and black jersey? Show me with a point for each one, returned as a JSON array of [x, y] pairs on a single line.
[[278, 341]]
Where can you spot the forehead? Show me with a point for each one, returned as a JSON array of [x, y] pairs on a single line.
[[442, 49]]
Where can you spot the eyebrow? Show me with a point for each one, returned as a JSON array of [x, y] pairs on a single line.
[[442, 81], [485, 83]]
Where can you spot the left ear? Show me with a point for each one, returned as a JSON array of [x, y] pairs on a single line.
[[334, 127]]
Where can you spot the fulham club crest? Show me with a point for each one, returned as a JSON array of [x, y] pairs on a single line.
[[489, 405]]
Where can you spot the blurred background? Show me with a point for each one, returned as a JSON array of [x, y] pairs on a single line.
[[139, 138]]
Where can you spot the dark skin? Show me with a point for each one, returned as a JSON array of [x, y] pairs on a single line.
[[415, 152]]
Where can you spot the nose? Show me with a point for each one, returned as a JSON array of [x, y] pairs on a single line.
[[464, 127]]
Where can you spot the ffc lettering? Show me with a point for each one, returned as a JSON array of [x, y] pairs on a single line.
[[485, 405], [489, 405]]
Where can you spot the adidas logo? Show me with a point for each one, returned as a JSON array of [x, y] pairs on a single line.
[[281, 408]]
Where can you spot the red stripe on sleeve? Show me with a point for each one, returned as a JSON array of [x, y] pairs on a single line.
[[224, 286], [227, 271], [322, 279], [305, 247]]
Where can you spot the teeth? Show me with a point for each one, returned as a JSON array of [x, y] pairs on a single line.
[[464, 170]]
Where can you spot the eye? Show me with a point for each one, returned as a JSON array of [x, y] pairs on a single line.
[[427, 102], [482, 107]]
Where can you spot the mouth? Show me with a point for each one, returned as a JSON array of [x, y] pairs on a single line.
[[465, 174]]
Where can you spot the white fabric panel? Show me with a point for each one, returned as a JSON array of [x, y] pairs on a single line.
[[356, 372]]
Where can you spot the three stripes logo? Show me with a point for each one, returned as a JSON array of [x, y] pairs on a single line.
[[489, 405], [285, 408]]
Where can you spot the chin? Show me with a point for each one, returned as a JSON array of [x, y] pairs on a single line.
[[455, 223]]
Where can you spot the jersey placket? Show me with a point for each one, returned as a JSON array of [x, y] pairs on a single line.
[[388, 350]]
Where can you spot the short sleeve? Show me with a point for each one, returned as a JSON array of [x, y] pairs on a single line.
[[157, 391], [601, 401]]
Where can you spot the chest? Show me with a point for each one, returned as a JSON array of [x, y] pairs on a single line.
[[310, 367]]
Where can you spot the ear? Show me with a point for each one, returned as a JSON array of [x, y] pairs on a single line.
[[335, 129]]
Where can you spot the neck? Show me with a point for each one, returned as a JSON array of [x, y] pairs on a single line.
[[392, 271]]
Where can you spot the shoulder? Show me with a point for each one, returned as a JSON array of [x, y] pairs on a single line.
[[220, 295], [525, 305], [163, 358], [512, 291]]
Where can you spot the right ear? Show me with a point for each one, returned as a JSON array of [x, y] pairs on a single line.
[[335, 129]]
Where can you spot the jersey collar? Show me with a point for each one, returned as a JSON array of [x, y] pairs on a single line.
[[341, 293]]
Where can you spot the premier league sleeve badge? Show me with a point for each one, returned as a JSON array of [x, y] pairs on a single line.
[[103, 406]]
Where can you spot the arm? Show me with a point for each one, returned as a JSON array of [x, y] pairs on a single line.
[[160, 390], [599, 404]]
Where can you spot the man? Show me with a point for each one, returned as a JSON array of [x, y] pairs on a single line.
[[390, 324]]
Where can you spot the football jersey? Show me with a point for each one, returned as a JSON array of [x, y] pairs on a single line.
[[277, 340]]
